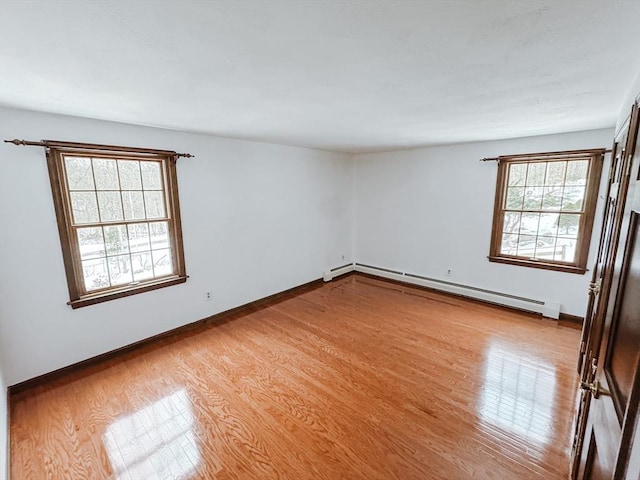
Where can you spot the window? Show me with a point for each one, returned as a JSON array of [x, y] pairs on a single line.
[[544, 209], [118, 218]]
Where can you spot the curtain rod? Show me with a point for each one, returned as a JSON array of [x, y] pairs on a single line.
[[569, 153], [92, 146]]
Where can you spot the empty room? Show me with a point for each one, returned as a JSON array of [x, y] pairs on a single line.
[[319, 239]]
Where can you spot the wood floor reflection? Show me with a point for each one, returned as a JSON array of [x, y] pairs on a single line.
[[358, 379]]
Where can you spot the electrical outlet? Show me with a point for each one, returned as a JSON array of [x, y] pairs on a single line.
[[208, 296]]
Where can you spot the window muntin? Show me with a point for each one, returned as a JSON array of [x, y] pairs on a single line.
[[119, 221], [544, 209]]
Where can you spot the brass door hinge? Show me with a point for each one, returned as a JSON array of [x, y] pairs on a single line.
[[594, 287], [595, 388]]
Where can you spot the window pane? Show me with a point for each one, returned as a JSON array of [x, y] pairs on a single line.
[[154, 202], [577, 172], [95, 274], [79, 174], [555, 173], [159, 232], [526, 245], [91, 242], [115, 237], [162, 262], [545, 247], [511, 222], [139, 237], [565, 250], [552, 199], [529, 223], [133, 205], [517, 173], [536, 173], [110, 206], [568, 225], [572, 199], [142, 266], [151, 175], [533, 198], [84, 206], [129, 175], [514, 198], [548, 226], [509, 244], [106, 174], [120, 269]]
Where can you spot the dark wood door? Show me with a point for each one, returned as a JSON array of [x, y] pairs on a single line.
[[616, 186], [612, 387], [602, 278]]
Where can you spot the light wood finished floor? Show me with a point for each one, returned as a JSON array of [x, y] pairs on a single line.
[[358, 379]]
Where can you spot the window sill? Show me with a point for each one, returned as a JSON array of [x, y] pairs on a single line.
[[558, 267], [125, 291]]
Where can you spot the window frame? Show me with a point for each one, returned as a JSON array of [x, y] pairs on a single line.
[[78, 295], [587, 214]]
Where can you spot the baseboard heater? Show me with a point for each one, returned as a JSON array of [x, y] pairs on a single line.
[[329, 275], [546, 308]]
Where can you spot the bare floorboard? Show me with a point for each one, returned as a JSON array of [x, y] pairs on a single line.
[[357, 379]]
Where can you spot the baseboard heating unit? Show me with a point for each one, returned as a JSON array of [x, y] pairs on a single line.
[[546, 308], [329, 275]]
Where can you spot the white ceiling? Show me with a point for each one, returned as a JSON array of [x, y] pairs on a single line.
[[347, 75]]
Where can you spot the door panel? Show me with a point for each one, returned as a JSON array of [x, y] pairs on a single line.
[[602, 451], [623, 351], [608, 409], [605, 234], [617, 188], [602, 276]]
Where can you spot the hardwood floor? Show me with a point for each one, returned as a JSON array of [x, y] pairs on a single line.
[[357, 379]]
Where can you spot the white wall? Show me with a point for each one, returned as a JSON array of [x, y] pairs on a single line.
[[428, 210], [257, 219]]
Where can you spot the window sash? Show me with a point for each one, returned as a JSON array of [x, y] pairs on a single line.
[[128, 253]]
